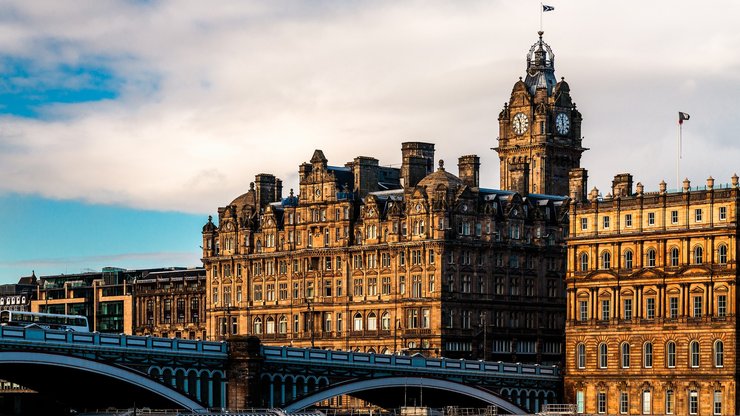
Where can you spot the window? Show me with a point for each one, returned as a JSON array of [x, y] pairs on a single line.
[[722, 306], [358, 287], [694, 357], [673, 307], [584, 262], [674, 257], [625, 355], [605, 306], [270, 325], [719, 354], [580, 402], [385, 287], [372, 322], [693, 402], [651, 218], [651, 258], [601, 402], [669, 402], [416, 285], [624, 404], [697, 214], [670, 352], [584, 223], [698, 255], [283, 325], [717, 402], [628, 259], [385, 321], [722, 213], [674, 217], [646, 403], [606, 259], [581, 356], [722, 254], [603, 355], [583, 308], [628, 220], [628, 308], [357, 322], [257, 326], [606, 222], [650, 308], [697, 306], [647, 355]]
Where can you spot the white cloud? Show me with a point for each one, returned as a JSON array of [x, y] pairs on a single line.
[[213, 95]]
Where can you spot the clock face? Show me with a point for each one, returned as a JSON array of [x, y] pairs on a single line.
[[562, 123], [318, 192], [520, 123]]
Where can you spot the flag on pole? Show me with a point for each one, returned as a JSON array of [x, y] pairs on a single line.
[[682, 117], [546, 8]]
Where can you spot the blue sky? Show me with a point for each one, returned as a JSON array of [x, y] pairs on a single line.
[[140, 118]]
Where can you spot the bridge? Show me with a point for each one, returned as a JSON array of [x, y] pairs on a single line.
[[89, 370]]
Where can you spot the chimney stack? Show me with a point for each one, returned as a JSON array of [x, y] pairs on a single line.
[[468, 168], [417, 162], [577, 184]]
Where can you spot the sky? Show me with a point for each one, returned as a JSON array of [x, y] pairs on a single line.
[[124, 124]]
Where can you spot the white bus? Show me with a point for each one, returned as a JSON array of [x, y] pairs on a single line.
[[75, 323]]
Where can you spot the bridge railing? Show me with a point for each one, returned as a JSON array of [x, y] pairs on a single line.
[[96, 339], [415, 363]]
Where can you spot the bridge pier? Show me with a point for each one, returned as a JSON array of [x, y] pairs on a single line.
[[242, 372]]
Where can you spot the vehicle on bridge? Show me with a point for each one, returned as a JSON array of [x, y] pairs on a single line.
[[76, 323]]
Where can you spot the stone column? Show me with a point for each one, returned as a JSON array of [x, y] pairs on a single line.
[[243, 372]]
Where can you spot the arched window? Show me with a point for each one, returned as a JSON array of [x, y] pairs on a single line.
[[581, 355], [647, 355], [674, 257], [694, 356], [606, 260], [651, 258], [628, 259], [270, 325], [584, 262], [259, 246], [670, 354], [283, 325], [257, 326], [722, 254], [357, 322], [603, 350], [719, 354], [385, 321], [358, 238], [372, 322], [626, 355], [698, 255]]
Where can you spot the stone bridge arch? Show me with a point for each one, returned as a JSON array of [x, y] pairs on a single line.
[[355, 386]]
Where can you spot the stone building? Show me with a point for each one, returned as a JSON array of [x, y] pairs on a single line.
[[170, 303], [651, 325], [387, 260]]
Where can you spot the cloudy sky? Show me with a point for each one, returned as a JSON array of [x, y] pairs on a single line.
[[124, 124]]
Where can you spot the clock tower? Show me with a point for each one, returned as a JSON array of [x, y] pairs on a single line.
[[539, 129]]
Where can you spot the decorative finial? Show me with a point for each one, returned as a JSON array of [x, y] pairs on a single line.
[[541, 33], [291, 192], [251, 186], [210, 218], [520, 78], [441, 164]]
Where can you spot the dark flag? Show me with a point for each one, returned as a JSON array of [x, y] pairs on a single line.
[[546, 8], [682, 117]]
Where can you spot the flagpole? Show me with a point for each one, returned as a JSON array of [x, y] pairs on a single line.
[[678, 159], [542, 10]]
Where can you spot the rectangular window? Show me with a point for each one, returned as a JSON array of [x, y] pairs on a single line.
[[583, 308], [580, 402], [722, 306], [606, 222], [673, 307], [669, 402], [628, 220], [584, 223], [605, 310], [601, 402], [693, 402], [722, 213], [646, 403], [717, 402], [628, 309], [697, 214], [651, 218], [650, 308], [624, 404], [697, 306], [674, 217]]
